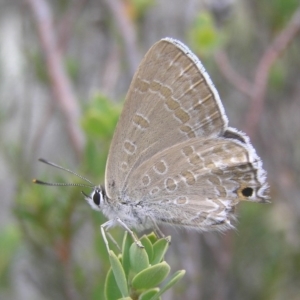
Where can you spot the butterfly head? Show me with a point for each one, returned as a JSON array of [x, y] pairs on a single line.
[[96, 198]]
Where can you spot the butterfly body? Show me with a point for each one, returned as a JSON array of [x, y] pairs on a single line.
[[173, 159]]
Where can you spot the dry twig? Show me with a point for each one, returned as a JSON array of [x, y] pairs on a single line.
[[128, 32], [256, 91], [61, 84], [273, 52]]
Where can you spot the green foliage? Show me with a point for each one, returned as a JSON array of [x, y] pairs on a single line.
[[203, 36], [279, 12], [137, 272], [265, 265], [42, 218], [49, 221], [9, 242], [138, 8], [41, 72], [139, 258], [119, 273], [277, 76], [100, 118], [98, 122]]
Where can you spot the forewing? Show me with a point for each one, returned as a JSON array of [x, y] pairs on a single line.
[[171, 99]]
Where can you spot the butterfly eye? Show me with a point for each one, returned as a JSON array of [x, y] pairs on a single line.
[[97, 197], [247, 192]]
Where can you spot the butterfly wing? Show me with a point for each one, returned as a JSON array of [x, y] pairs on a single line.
[[171, 99], [197, 183]]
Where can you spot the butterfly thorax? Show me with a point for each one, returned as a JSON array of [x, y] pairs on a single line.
[[131, 213]]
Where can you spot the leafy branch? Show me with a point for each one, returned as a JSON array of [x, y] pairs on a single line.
[[137, 272]]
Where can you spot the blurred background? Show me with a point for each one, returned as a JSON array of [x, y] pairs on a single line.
[[65, 67]]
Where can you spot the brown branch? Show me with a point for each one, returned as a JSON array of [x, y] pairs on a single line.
[[67, 23], [111, 70], [39, 134], [257, 90], [272, 53], [61, 84], [236, 79], [128, 32]]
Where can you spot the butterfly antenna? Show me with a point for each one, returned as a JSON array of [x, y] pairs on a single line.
[[64, 169], [37, 181]]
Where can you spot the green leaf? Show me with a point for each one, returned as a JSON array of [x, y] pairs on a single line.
[[127, 241], [147, 295], [204, 37], [148, 246], [111, 289], [138, 8], [173, 280], [152, 237], [138, 258], [100, 118], [9, 243], [159, 250], [118, 273], [151, 277]]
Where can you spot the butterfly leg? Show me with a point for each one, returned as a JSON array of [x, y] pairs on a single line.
[[138, 243], [156, 229], [104, 230], [158, 232], [113, 241]]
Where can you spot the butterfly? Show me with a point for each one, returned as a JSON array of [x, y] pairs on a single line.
[[173, 159]]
